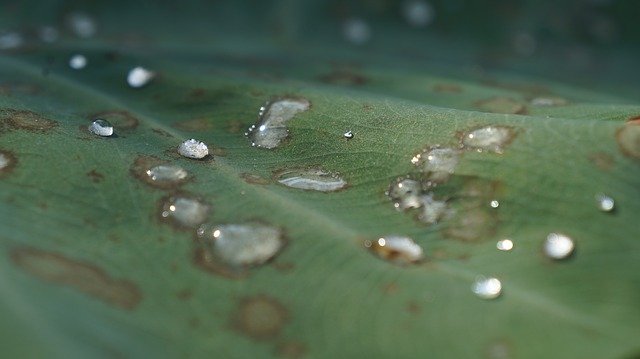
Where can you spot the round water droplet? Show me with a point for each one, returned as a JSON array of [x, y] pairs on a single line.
[[48, 34], [488, 138], [348, 135], [605, 203], [242, 245], [139, 77], [311, 179], [438, 163], [558, 246], [487, 288], [101, 127], [356, 31], [398, 249], [405, 194], [505, 245], [185, 211], [167, 174], [82, 24], [77, 62], [418, 13], [193, 149], [271, 128], [10, 40]]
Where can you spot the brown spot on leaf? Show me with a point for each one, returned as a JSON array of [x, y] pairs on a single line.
[[162, 132], [143, 163], [235, 126], [260, 317], [390, 288], [194, 125], [26, 120], [185, 294], [120, 119], [254, 179], [413, 308], [447, 88], [502, 105], [8, 89], [602, 160], [204, 260], [345, 76], [95, 176], [628, 138], [291, 350], [84, 277]]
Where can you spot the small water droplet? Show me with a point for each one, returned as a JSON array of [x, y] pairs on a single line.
[[10, 40], [82, 24], [167, 174], [488, 138], [101, 127], [437, 163], [311, 179], [139, 77], [271, 128], [77, 62], [605, 203], [185, 211], [505, 245], [494, 204], [48, 34], [433, 210], [558, 246], [418, 13], [398, 249], [193, 149], [487, 288], [548, 101], [348, 135], [405, 194], [356, 31], [242, 245]]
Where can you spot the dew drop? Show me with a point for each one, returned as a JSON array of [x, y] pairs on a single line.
[[139, 77], [356, 31], [193, 149], [82, 24], [437, 163], [433, 210], [487, 288], [271, 128], [548, 101], [397, 249], [48, 34], [311, 179], [348, 135], [101, 127], [78, 62], [418, 13], [505, 245], [489, 138], [494, 204], [185, 211], [242, 245], [405, 194], [167, 174], [605, 203], [10, 40], [558, 246]]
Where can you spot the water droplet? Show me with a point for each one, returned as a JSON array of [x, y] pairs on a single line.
[[348, 135], [405, 194], [139, 77], [488, 138], [494, 204], [242, 245], [271, 128], [48, 34], [605, 203], [437, 163], [487, 288], [82, 24], [311, 179], [548, 101], [184, 211], [433, 210], [356, 31], [398, 249], [193, 149], [558, 246], [167, 174], [10, 40], [101, 127], [505, 245], [418, 13], [77, 62], [628, 138]]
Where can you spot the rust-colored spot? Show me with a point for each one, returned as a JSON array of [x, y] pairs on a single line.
[[144, 163], [162, 132], [603, 161], [390, 288], [291, 350], [236, 126], [346, 77], [26, 120], [8, 162], [205, 261], [447, 88], [254, 179], [414, 308], [95, 176], [120, 119], [502, 105], [8, 89], [217, 151], [260, 317], [196, 93], [84, 277], [628, 138], [194, 125]]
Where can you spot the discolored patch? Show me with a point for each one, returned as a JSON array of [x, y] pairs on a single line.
[[95, 176], [162, 132], [204, 260], [628, 138], [185, 294], [502, 105], [291, 350], [527, 89], [447, 88], [472, 223], [499, 349], [602, 160], [260, 317], [26, 120], [8, 162], [254, 179], [235, 126], [10, 88], [413, 308], [120, 119], [344, 77], [84, 277], [143, 164], [194, 125]]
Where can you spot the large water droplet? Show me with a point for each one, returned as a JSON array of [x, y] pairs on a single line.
[[558, 246], [433, 210], [488, 138], [185, 211], [271, 128], [10, 40], [437, 163], [82, 24], [101, 127], [311, 179], [405, 194], [356, 31], [193, 149], [398, 249], [242, 245], [167, 174], [505, 245], [139, 77], [487, 288], [605, 203], [418, 13], [78, 62]]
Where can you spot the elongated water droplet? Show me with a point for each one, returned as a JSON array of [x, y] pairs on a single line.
[[558, 246], [348, 135], [10, 40], [242, 245], [101, 127], [48, 34], [548, 101], [418, 13], [193, 149], [405, 194], [82, 24], [77, 62], [489, 138], [167, 174], [398, 249], [487, 288], [433, 210], [139, 77], [271, 128], [311, 179], [185, 211], [356, 31], [437, 163], [505, 245], [605, 203]]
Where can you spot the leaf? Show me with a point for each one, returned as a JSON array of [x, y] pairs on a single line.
[[91, 269]]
